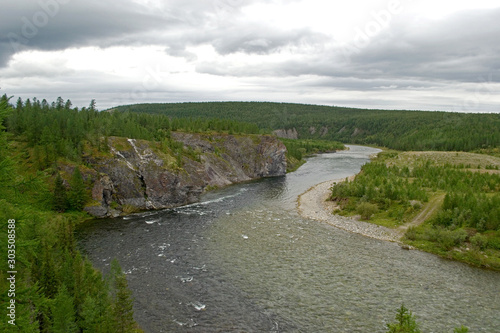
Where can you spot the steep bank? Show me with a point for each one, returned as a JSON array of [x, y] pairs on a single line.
[[142, 175]]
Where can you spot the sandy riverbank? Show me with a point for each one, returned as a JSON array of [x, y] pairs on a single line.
[[313, 204]]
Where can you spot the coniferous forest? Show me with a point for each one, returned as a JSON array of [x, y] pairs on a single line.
[[402, 130], [58, 290]]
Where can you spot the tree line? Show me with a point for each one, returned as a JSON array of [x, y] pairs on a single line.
[[56, 129], [398, 129]]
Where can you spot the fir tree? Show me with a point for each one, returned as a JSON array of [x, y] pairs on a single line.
[[405, 322], [60, 200], [92, 105], [91, 317], [77, 195], [63, 312], [122, 307], [48, 276]]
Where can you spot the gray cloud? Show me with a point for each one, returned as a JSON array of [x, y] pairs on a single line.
[[260, 40], [60, 24], [410, 54], [462, 48], [176, 24]]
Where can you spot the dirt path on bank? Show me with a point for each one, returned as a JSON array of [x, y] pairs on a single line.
[[429, 209]]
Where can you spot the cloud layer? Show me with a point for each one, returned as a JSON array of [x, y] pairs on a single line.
[[383, 54]]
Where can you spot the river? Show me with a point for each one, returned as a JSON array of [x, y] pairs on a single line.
[[243, 260]]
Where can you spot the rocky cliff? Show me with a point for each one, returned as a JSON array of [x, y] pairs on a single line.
[[287, 133], [140, 175]]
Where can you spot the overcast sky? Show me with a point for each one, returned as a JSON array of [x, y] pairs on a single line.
[[392, 54]]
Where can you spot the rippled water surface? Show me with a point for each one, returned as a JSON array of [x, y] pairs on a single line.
[[243, 260]]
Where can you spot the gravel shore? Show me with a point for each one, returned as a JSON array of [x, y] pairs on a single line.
[[313, 204]]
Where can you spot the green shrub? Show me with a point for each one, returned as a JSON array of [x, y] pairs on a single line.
[[479, 241], [431, 234], [461, 329], [366, 210], [411, 233], [494, 242], [451, 238]]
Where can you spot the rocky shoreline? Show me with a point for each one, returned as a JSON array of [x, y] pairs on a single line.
[[313, 205]]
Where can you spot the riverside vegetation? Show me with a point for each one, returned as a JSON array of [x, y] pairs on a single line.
[[448, 202], [297, 149], [58, 290]]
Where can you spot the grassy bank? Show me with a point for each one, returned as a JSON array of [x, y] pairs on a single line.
[[447, 203]]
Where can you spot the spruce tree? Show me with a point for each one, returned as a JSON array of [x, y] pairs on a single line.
[[48, 276], [63, 312], [405, 322], [77, 195], [91, 318], [122, 307], [60, 200]]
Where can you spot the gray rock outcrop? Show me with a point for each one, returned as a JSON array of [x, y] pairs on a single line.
[[143, 175], [287, 133]]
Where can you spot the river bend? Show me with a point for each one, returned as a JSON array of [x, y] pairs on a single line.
[[243, 260]]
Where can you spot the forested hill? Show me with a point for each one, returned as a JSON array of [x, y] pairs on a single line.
[[404, 130]]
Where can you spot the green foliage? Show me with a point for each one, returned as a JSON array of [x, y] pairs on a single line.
[[56, 130], [5, 161], [302, 148], [366, 210], [54, 280], [96, 316], [402, 130], [63, 312], [60, 200], [405, 322], [448, 239], [298, 149], [479, 241], [123, 307], [461, 329], [472, 207], [411, 233], [382, 185], [5, 110], [77, 195], [465, 203], [90, 314], [49, 282]]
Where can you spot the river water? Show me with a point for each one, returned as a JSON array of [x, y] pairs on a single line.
[[243, 260]]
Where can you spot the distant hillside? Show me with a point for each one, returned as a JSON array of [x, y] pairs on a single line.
[[405, 130]]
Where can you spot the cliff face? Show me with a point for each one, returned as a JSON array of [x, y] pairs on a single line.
[[141, 175], [287, 134]]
